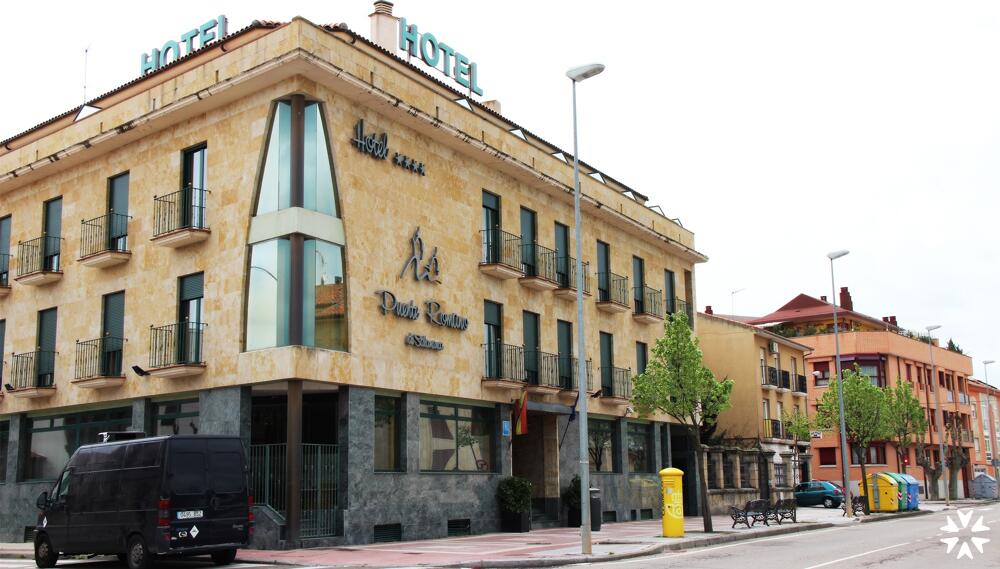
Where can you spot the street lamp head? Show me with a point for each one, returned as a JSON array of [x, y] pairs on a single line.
[[578, 74], [988, 362], [932, 328], [837, 254]]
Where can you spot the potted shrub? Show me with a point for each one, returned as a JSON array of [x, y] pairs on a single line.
[[571, 498], [514, 497]]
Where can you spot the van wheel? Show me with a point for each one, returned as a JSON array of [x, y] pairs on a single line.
[[137, 556], [45, 555], [224, 557]]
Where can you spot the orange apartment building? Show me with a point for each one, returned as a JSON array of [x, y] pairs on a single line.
[[885, 353], [985, 428]]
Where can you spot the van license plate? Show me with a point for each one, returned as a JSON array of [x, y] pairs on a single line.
[[190, 514]]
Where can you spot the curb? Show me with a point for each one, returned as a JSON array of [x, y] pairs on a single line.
[[17, 555], [897, 516]]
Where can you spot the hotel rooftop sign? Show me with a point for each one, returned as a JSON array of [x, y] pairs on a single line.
[[439, 55], [171, 50]]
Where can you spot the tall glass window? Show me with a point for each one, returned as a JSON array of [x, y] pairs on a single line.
[[176, 418], [268, 294], [640, 448], [602, 435], [276, 179], [387, 440], [317, 176], [324, 299], [456, 438]]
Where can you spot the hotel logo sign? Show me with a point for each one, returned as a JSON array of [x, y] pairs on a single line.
[[171, 50], [429, 271], [439, 55], [377, 146]]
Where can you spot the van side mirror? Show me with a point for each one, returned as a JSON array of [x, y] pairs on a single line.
[[43, 501]]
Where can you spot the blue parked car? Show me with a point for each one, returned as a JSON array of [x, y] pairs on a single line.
[[818, 492]]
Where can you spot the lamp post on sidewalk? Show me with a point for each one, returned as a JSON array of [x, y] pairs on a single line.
[[844, 468], [939, 416], [994, 424], [576, 75]]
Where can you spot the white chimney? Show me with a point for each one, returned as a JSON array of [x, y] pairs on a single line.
[[384, 26]]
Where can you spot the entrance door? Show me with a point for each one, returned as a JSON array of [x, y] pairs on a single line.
[[684, 459], [535, 456]]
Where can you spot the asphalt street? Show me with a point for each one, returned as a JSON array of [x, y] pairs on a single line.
[[113, 563], [907, 543]]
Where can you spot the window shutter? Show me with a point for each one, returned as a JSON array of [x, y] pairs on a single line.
[[47, 330], [53, 218], [192, 287], [5, 235], [114, 315]]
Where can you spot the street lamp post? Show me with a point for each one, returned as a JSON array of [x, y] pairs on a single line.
[[844, 468], [994, 424], [576, 75], [939, 415]]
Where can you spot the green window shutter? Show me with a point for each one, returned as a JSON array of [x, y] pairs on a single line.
[[5, 235], [53, 217], [192, 287], [114, 315], [47, 330]]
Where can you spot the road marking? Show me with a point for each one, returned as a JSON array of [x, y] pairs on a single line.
[[857, 555]]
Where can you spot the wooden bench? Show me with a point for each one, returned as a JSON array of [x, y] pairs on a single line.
[[754, 511]]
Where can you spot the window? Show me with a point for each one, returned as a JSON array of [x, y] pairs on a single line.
[[268, 294], [909, 372], [3, 333], [112, 342], [601, 445], [5, 251], [46, 357], [529, 235], [176, 417], [603, 271], [607, 363], [324, 298], [493, 337], [191, 295], [823, 368], [564, 339], [640, 448], [828, 456], [767, 409], [52, 231], [493, 250], [795, 369], [641, 356], [51, 440], [529, 321], [456, 438], [193, 189], [562, 255], [4, 440], [387, 439], [639, 283], [669, 292], [117, 222], [763, 367], [875, 454]]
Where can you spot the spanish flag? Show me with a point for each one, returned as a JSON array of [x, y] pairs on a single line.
[[521, 414]]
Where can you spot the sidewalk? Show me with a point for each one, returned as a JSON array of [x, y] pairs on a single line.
[[551, 547]]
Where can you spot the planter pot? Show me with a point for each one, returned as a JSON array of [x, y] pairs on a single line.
[[515, 522], [572, 518]]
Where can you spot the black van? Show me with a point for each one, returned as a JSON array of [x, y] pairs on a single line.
[[175, 495]]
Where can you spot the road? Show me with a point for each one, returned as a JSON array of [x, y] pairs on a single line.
[[906, 543], [112, 563]]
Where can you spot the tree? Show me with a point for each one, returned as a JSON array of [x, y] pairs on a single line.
[[956, 456], [676, 383], [905, 418], [799, 426], [932, 470], [954, 347], [864, 415]]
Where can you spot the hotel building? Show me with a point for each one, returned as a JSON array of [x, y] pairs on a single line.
[[293, 235]]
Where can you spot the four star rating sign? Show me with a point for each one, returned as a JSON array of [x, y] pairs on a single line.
[[410, 164], [964, 517]]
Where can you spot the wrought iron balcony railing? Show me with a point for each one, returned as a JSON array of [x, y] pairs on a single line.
[[612, 288], [501, 248], [502, 361], [101, 357], [616, 382], [538, 261], [108, 232], [771, 378], [4, 269], [676, 305], [541, 369], [786, 380], [773, 429], [568, 373], [566, 273], [800, 384], [183, 209], [176, 344], [41, 254], [33, 369], [648, 301]]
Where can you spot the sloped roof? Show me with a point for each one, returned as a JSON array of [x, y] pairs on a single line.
[[804, 308], [759, 331]]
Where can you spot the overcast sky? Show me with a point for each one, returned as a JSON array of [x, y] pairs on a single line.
[[776, 131]]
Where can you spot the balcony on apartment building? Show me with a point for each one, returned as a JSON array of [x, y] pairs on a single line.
[[4, 274], [678, 305], [770, 378], [501, 256], [104, 241], [39, 261], [785, 383], [179, 218], [569, 377], [616, 385], [175, 350], [33, 374], [99, 363], [774, 429], [539, 266], [648, 305], [541, 371], [800, 385], [566, 278], [503, 366], [612, 293]]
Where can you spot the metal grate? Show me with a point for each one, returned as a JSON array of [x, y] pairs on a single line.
[[458, 528], [609, 516], [29, 534], [646, 514], [387, 533]]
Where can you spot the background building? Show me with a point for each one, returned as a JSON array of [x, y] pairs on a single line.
[[294, 236], [985, 427]]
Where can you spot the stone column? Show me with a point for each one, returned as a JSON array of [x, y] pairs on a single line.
[[750, 464], [733, 457], [142, 416], [786, 459], [656, 461], [718, 456], [16, 435], [224, 411], [769, 461]]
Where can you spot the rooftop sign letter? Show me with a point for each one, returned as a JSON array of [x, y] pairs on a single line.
[[171, 50], [434, 52]]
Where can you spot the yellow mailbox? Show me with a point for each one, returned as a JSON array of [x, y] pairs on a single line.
[[673, 502]]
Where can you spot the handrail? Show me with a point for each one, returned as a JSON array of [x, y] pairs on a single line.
[[566, 273], [612, 288], [183, 209], [503, 361], [101, 357], [501, 248], [41, 254], [176, 344], [648, 301], [616, 382], [33, 369], [108, 232], [538, 261]]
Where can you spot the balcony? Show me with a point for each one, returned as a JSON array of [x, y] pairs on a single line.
[[568, 374], [648, 305], [179, 218], [677, 305], [104, 241], [566, 278], [616, 385], [4, 274], [38, 261], [612, 293], [503, 366], [33, 374], [99, 363], [800, 385], [175, 350], [501, 257], [770, 379], [539, 266], [966, 436], [785, 384], [541, 371], [773, 429]]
